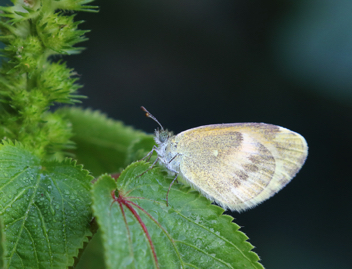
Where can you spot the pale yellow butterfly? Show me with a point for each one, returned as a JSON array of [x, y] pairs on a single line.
[[237, 165]]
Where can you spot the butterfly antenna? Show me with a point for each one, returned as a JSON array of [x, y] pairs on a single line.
[[149, 115]]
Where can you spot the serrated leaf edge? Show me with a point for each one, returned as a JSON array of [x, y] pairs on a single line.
[[67, 161], [99, 115], [218, 210]]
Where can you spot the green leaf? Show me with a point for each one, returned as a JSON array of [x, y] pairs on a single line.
[[140, 231], [93, 255], [77, 5], [2, 246], [45, 207], [105, 145]]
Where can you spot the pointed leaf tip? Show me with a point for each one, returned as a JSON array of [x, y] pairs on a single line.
[[45, 207]]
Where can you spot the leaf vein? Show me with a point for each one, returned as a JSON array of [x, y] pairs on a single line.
[[31, 201], [205, 253], [46, 235]]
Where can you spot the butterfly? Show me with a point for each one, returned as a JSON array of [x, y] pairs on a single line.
[[236, 165]]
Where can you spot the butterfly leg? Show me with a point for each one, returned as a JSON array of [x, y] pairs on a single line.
[[167, 194], [149, 155], [175, 179], [154, 163]]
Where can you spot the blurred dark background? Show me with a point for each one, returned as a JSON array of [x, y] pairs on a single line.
[[288, 63]]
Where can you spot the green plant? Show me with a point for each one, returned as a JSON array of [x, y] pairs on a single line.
[[50, 207]]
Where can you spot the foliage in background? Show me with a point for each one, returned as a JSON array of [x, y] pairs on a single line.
[[45, 204], [30, 82], [46, 200]]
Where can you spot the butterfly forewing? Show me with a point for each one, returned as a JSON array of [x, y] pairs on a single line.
[[240, 165]]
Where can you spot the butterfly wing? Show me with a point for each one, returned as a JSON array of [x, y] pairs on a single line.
[[240, 165]]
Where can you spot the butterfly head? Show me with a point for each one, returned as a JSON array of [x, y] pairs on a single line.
[[161, 135]]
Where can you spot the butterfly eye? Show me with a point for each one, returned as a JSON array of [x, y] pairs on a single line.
[[163, 136]]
